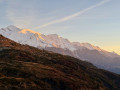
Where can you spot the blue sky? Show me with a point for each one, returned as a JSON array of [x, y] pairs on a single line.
[[93, 21]]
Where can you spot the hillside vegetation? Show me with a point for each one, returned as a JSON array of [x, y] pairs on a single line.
[[27, 68]]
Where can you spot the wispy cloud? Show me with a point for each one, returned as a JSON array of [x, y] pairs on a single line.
[[26, 15], [21, 14], [73, 15]]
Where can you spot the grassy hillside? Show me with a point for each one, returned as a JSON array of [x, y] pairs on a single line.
[[26, 68]]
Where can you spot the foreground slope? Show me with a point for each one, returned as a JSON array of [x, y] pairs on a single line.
[[27, 68]]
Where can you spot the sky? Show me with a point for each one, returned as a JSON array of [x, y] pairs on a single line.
[[92, 21]]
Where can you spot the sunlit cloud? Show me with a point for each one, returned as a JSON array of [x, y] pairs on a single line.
[[73, 15]]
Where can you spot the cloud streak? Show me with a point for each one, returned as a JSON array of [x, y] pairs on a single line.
[[21, 14], [73, 15]]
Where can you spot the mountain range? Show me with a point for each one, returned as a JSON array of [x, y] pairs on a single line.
[[85, 51], [23, 67]]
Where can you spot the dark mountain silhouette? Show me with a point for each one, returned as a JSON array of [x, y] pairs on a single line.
[[23, 67]]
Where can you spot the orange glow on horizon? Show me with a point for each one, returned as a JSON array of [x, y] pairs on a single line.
[[115, 49]]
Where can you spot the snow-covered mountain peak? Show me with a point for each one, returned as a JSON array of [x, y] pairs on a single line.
[[76, 43], [11, 28], [30, 33], [32, 38], [57, 37], [90, 46], [87, 45], [59, 42], [53, 36], [25, 31]]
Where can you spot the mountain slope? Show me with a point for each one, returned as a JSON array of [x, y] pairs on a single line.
[[57, 44], [25, 67]]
